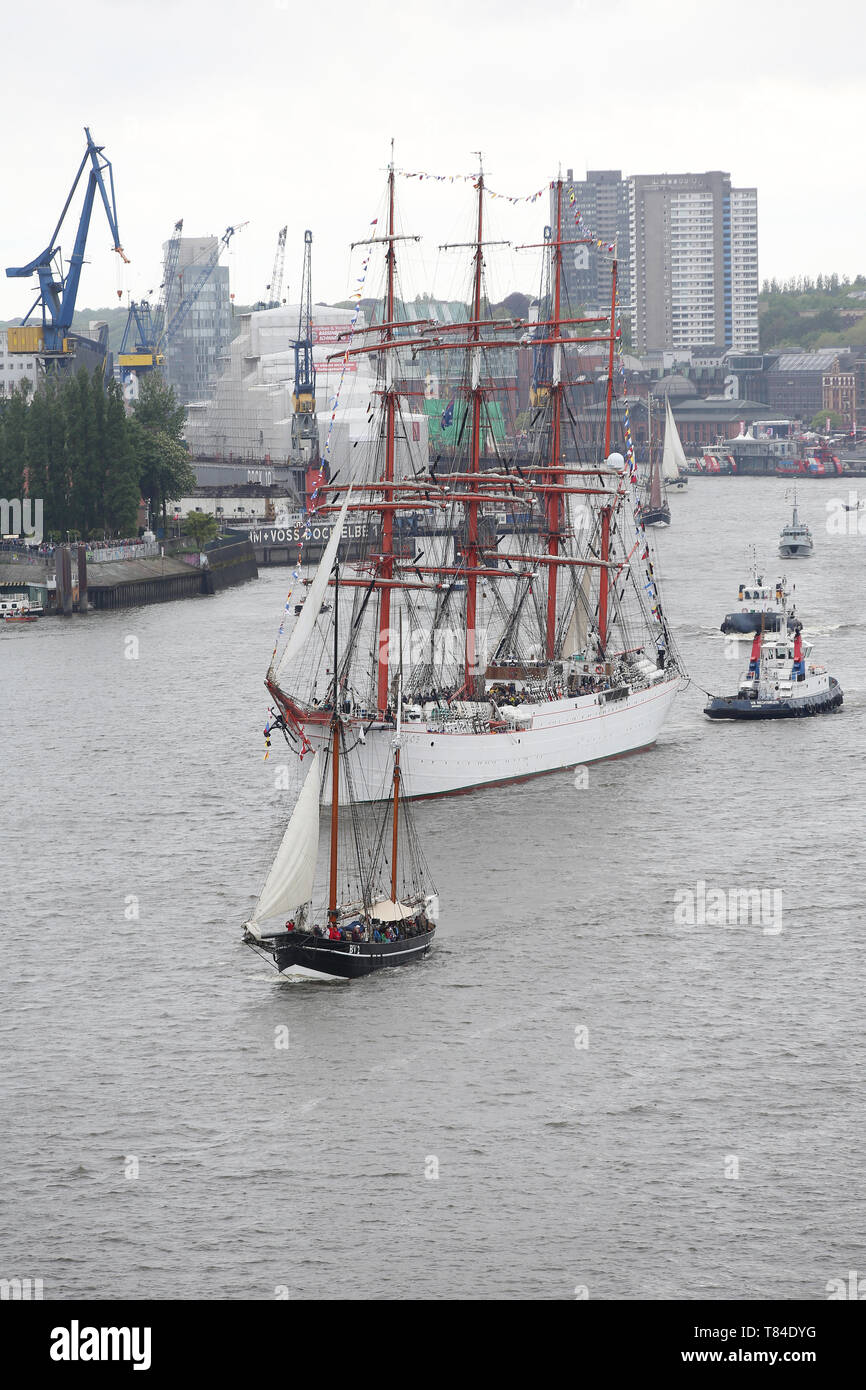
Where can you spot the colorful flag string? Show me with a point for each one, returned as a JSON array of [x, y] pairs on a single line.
[[473, 179]]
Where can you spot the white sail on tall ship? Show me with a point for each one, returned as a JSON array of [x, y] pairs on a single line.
[[523, 621], [674, 464]]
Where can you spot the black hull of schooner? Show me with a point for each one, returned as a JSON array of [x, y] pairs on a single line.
[[344, 960], [656, 516]]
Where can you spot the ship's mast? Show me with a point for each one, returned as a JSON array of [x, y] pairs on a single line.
[[555, 497], [335, 760], [387, 554], [607, 511], [396, 822], [471, 555]]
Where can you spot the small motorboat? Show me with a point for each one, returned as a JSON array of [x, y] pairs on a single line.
[[795, 538], [761, 607], [20, 617]]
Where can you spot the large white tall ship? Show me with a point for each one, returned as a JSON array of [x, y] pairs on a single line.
[[521, 618]]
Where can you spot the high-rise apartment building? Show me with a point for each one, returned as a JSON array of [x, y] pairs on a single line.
[[602, 200], [744, 270], [693, 243], [196, 353]]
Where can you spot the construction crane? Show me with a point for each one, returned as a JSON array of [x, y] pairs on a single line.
[[188, 296], [275, 288], [169, 270], [144, 325], [305, 429], [58, 291], [149, 351]]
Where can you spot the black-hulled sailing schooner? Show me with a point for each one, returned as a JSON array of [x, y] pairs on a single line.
[[379, 905], [655, 507], [522, 620]]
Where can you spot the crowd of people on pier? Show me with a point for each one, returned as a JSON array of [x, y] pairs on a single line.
[[45, 550]]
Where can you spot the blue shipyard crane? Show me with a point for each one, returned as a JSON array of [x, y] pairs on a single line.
[[58, 290], [140, 329]]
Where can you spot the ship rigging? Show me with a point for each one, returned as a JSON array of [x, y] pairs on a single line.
[[518, 648]]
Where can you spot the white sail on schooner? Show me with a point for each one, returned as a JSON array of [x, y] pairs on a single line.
[[674, 464]]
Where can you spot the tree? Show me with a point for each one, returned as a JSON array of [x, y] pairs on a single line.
[[838, 422], [13, 454], [98, 462], [202, 527], [122, 483], [164, 467], [157, 408], [48, 475], [82, 453], [517, 304]]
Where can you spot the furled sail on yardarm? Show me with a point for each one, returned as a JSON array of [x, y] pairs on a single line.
[[522, 622]]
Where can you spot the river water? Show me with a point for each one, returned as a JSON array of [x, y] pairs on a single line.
[[577, 1091]]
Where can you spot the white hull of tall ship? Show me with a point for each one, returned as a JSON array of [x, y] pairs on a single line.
[[556, 734]]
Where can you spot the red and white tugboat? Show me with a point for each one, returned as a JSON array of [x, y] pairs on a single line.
[[782, 682]]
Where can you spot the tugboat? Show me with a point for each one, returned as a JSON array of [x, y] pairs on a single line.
[[379, 901], [761, 608], [795, 537], [18, 609], [781, 682]]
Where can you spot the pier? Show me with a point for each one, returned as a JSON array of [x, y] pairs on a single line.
[[74, 579]]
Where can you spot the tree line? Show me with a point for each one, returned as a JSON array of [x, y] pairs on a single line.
[[72, 444], [822, 284]]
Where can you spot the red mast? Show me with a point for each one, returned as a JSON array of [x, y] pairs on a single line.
[[471, 556], [335, 762], [555, 498], [395, 826], [604, 576], [387, 562]]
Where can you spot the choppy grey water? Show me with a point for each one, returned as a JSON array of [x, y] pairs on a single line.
[[702, 1137]]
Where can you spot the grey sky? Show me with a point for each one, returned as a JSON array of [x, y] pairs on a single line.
[[279, 112]]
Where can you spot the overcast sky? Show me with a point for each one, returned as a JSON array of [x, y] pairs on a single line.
[[279, 112]]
